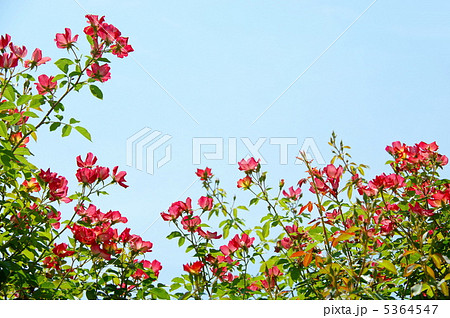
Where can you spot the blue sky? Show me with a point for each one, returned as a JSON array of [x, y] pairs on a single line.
[[225, 62]]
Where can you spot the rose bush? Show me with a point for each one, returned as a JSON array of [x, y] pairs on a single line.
[[44, 255], [386, 238], [383, 238]]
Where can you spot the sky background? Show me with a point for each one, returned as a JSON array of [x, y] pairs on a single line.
[[225, 62]]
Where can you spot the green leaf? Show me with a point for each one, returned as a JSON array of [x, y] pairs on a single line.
[[181, 241], [23, 99], [90, 294], [90, 40], [3, 130], [58, 77], [74, 73], [79, 86], [63, 64], [416, 289], [27, 76], [160, 293], [104, 59], [22, 151], [5, 161], [266, 229], [66, 130], [388, 265], [73, 121], [37, 101], [48, 284], [30, 114], [54, 126], [310, 246], [59, 107], [9, 93], [97, 92], [84, 132], [174, 234], [7, 105]]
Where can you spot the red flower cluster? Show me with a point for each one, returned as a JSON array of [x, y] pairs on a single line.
[[383, 181], [104, 38], [190, 222], [236, 243], [94, 216], [176, 209], [99, 73], [65, 40], [326, 181], [60, 251], [413, 158], [245, 182], [17, 137], [439, 198], [293, 194], [250, 165], [57, 186], [204, 174], [36, 59], [31, 185], [298, 240], [194, 268], [89, 174], [271, 274], [206, 203], [155, 266], [46, 84], [103, 239], [17, 53]]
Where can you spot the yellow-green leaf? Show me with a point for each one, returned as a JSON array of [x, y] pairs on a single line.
[[430, 272], [444, 288], [436, 260], [3, 130], [388, 265], [409, 269]]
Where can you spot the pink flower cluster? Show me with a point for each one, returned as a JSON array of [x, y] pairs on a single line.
[[412, 158], [60, 251], [326, 181], [89, 174], [271, 274], [223, 263], [383, 181], [204, 174], [105, 38], [11, 55], [95, 229], [296, 239], [17, 53], [242, 242], [190, 222], [57, 186], [53, 216], [248, 166]]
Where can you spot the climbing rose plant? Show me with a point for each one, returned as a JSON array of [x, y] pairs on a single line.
[[383, 238], [44, 254], [386, 238]]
